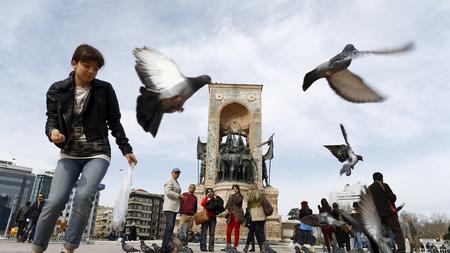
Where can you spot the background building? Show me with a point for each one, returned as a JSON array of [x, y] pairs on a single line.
[[42, 184], [103, 222], [16, 183], [145, 209], [66, 214], [345, 198]]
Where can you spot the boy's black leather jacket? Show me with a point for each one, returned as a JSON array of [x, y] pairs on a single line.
[[100, 111]]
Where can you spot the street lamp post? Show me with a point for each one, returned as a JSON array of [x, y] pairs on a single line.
[[13, 209]]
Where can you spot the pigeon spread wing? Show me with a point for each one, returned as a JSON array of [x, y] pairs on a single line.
[[405, 48], [156, 71], [339, 151], [371, 221], [312, 220], [352, 88], [344, 133]]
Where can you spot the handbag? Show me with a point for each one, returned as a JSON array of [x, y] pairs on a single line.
[[267, 207], [240, 217], [247, 218], [201, 217]]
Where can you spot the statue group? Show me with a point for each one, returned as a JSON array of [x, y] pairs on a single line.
[[234, 162]]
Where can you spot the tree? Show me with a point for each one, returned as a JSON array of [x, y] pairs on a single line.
[[294, 214], [447, 236], [433, 227]]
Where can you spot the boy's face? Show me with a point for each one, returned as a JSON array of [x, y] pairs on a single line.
[[85, 71]]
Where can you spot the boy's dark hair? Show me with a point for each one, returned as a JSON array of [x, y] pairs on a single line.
[[237, 187], [85, 52]]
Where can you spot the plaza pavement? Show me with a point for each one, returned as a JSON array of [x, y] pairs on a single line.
[[11, 246]]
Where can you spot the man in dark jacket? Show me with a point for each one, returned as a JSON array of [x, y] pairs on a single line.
[[33, 215], [21, 219], [384, 200]]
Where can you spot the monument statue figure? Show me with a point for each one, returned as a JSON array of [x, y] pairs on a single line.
[[201, 156], [267, 156], [234, 161]]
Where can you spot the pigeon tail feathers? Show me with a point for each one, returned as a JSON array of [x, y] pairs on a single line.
[[149, 113]]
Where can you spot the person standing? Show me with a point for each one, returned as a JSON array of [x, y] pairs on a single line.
[[212, 203], [341, 233], [354, 212], [132, 236], [80, 112], [306, 235], [327, 231], [254, 203], [33, 216], [384, 200], [171, 206], [235, 216], [251, 233], [187, 210], [21, 219]]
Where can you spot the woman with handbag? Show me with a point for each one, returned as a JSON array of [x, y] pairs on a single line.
[[210, 203], [256, 202], [235, 216]]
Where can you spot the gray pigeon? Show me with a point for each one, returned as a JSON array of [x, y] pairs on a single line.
[[345, 154], [371, 224], [156, 247], [346, 84], [128, 248], [321, 220], [305, 249], [145, 248], [166, 88]]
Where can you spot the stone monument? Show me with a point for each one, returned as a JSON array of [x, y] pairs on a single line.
[[232, 154]]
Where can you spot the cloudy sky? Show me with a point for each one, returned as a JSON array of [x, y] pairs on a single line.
[[273, 43]]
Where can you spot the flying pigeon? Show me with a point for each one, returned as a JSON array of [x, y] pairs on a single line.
[[145, 248], [370, 223], [321, 220], [128, 248], [165, 89], [346, 84], [344, 154]]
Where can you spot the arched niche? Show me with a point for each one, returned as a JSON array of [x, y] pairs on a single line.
[[236, 118]]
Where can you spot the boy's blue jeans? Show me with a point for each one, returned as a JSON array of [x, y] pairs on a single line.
[[66, 174]]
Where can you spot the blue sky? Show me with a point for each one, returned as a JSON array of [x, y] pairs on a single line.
[[273, 43]]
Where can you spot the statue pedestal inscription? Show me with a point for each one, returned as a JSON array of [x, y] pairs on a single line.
[[232, 154]]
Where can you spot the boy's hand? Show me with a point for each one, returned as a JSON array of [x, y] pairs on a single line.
[[131, 159], [56, 136]]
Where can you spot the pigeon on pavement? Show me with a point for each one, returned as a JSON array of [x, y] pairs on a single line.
[[156, 247], [165, 89], [145, 248], [346, 84], [128, 248], [345, 154]]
